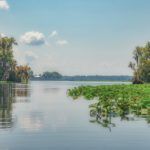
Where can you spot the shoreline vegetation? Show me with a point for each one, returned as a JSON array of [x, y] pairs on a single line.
[[55, 76], [115, 101], [112, 100], [10, 71], [141, 64], [121, 100]]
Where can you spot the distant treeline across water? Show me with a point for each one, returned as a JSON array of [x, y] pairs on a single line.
[[59, 77], [97, 78]]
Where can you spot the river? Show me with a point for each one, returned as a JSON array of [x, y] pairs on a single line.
[[40, 116]]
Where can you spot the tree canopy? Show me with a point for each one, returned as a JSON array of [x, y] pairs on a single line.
[[9, 71], [51, 76], [141, 64]]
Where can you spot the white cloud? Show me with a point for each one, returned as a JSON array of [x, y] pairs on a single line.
[[54, 33], [4, 5], [33, 38], [36, 38], [62, 42], [2, 35]]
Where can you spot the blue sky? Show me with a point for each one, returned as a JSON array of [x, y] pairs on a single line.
[[76, 36]]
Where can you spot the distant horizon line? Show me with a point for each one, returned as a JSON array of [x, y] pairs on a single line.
[[87, 75]]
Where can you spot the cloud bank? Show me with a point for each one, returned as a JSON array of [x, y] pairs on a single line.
[[4, 5], [33, 38]]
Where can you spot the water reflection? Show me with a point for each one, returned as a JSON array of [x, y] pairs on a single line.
[[9, 94], [21, 93], [102, 115], [51, 90], [32, 122]]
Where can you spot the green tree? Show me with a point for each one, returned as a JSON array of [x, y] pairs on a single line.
[[141, 64], [6, 57], [145, 64], [9, 70], [51, 76]]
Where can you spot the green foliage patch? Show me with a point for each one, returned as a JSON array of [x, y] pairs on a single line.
[[115, 100]]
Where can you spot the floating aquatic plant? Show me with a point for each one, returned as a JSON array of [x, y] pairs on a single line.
[[115, 100]]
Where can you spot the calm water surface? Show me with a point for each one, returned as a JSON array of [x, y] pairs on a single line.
[[40, 116]]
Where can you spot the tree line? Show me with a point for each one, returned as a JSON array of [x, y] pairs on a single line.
[[9, 69], [141, 64], [59, 77]]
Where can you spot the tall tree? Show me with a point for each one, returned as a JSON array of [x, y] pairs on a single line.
[[141, 64], [6, 56], [8, 65]]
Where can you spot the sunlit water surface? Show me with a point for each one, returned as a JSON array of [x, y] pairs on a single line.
[[40, 116]]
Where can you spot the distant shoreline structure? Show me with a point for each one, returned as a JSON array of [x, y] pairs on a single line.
[[83, 78]]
